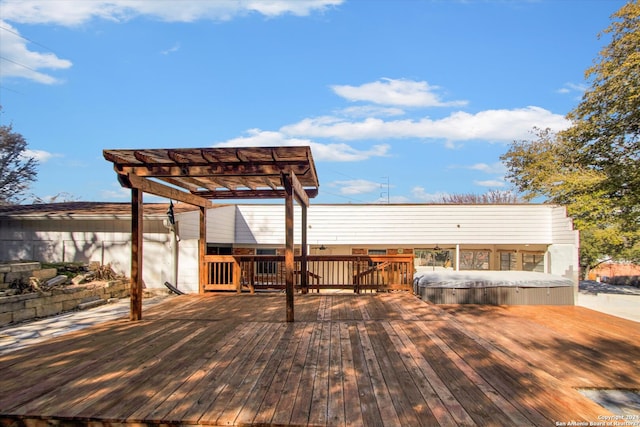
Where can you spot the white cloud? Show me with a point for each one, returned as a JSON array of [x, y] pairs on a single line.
[[405, 93], [395, 199], [327, 152], [172, 49], [492, 183], [369, 111], [573, 87], [40, 155], [356, 186], [18, 61], [494, 168], [117, 193], [295, 7], [72, 13], [421, 195], [490, 125]]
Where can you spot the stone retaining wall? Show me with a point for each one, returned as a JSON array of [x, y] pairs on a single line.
[[18, 308], [21, 271]]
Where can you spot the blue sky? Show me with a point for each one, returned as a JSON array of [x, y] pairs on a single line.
[[400, 100]]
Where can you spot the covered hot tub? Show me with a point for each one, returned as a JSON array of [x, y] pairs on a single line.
[[493, 287]]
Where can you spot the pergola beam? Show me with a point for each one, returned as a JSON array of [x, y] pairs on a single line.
[[212, 170], [155, 188], [250, 194], [298, 191]]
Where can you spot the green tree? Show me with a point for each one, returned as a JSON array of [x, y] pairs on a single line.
[[544, 168], [605, 131], [593, 167], [17, 170]]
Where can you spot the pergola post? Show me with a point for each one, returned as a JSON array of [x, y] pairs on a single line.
[[289, 249], [304, 277], [293, 188], [288, 254], [136, 254], [202, 250]]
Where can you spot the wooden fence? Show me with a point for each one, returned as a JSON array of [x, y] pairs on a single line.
[[266, 272]]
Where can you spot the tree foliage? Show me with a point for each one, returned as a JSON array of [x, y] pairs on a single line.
[[495, 197], [17, 170], [605, 131], [593, 167]]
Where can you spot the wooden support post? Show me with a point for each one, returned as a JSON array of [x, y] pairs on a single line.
[[202, 250], [304, 276], [136, 254], [288, 251]]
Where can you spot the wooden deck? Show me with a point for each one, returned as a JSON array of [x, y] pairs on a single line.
[[373, 360]]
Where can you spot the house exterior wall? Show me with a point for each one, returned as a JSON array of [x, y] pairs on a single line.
[[107, 241], [188, 261], [543, 230], [220, 224], [564, 259], [337, 229], [400, 224]]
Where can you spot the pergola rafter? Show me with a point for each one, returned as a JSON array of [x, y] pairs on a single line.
[[198, 175]]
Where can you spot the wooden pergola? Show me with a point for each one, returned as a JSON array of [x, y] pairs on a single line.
[[198, 175]]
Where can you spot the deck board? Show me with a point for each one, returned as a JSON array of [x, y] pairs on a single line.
[[348, 360]]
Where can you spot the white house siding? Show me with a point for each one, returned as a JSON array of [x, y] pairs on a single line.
[[222, 220], [188, 278], [562, 231], [564, 252], [220, 224], [188, 224], [340, 228], [106, 240], [400, 224], [542, 229]]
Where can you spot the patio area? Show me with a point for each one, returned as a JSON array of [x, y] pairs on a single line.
[[369, 359]]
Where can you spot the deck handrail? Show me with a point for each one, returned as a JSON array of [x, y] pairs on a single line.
[[357, 272]]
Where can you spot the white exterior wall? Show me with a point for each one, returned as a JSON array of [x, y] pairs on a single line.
[[338, 227], [522, 228], [221, 228], [564, 253], [400, 224], [107, 241], [188, 278], [220, 224]]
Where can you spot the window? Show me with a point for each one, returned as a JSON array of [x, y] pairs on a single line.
[[213, 249], [474, 260], [533, 262], [507, 261], [266, 251], [377, 252], [266, 267], [432, 258]]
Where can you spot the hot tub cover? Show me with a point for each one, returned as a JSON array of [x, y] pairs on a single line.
[[488, 279]]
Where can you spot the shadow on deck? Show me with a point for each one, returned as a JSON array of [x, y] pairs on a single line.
[[375, 359]]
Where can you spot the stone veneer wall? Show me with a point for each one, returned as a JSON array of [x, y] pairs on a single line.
[[18, 308]]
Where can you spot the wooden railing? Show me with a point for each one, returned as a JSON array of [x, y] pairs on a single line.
[[355, 272]]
